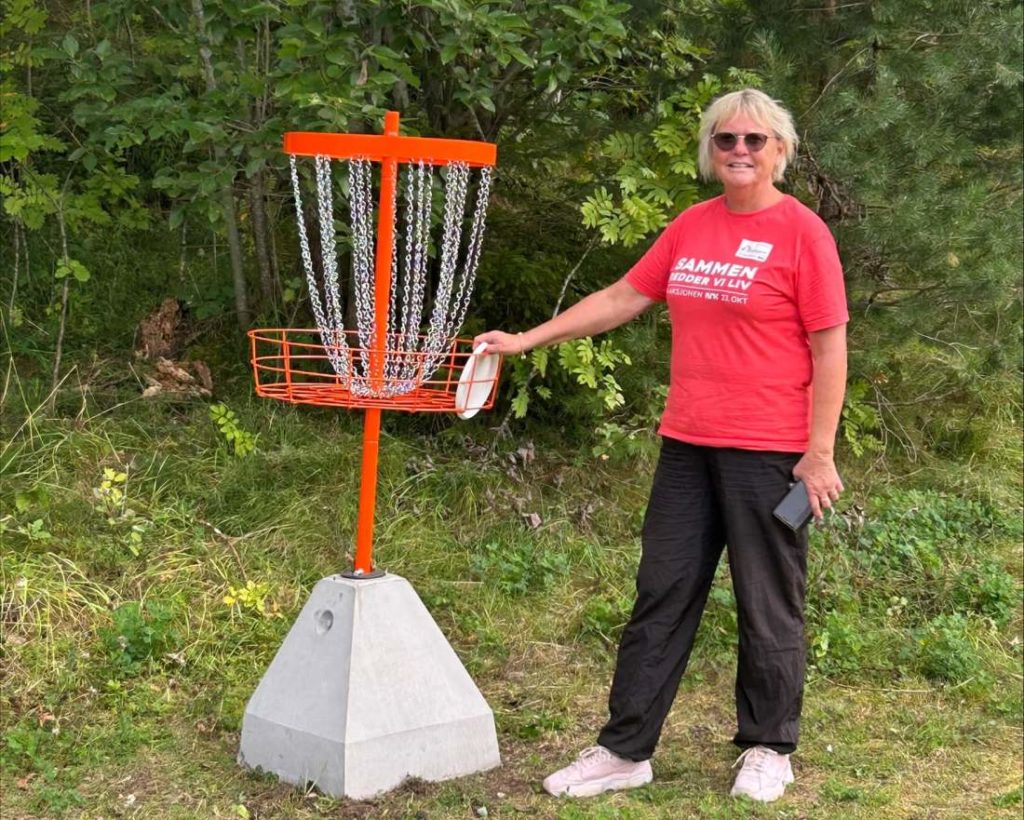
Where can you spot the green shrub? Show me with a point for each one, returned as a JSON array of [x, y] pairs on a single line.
[[987, 589], [529, 724], [837, 645], [718, 625], [945, 651], [28, 745], [604, 616], [1014, 797], [139, 634], [913, 530], [240, 441], [516, 569]]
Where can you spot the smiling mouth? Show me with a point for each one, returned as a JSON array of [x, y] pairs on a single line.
[[740, 165]]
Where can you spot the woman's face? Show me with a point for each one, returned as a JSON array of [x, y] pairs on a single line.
[[741, 168]]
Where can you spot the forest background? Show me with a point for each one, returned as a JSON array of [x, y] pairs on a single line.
[[150, 569]]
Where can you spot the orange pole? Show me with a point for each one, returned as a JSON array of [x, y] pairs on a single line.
[[381, 299], [368, 491]]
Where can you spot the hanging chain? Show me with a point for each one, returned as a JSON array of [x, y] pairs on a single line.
[[332, 335], [456, 188], [328, 242], [409, 361], [476, 235], [397, 344], [361, 196], [409, 261], [389, 346], [419, 203], [402, 268], [448, 317], [394, 344]]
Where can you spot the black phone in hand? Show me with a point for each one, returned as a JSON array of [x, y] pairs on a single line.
[[795, 509]]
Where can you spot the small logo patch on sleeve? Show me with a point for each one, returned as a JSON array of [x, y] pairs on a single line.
[[757, 251]]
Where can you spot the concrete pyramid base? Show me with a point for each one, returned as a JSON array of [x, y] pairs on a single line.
[[364, 692]]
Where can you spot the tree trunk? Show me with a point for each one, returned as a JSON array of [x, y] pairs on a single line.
[[59, 351], [14, 282], [258, 218], [228, 193], [183, 251], [275, 264], [235, 247], [55, 381]]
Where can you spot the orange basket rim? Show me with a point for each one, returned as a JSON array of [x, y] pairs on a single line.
[[348, 331], [282, 372], [297, 335]]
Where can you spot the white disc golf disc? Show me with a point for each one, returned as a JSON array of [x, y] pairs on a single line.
[[476, 382]]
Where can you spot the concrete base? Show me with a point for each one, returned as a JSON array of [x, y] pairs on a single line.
[[365, 692]]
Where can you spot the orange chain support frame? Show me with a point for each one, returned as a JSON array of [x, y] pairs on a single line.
[[293, 369]]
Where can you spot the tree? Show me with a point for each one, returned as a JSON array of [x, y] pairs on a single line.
[[81, 190], [910, 112]]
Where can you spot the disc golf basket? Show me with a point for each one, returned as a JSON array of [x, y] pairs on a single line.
[[403, 352], [365, 691]]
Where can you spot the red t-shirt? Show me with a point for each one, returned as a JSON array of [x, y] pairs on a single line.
[[743, 290]]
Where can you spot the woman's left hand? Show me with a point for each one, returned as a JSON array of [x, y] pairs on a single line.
[[819, 475]]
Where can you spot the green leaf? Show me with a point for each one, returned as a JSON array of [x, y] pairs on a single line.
[[449, 53], [521, 56], [254, 165], [520, 403], [71, 267], [541, 356], [70, 45], [338, 56], [575, 14]]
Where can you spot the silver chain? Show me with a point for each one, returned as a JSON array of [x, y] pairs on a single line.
[[418, 205], [404, 318], [360, 175], [456, 189], [475, 246], [386, 389], [328, 242], [407, 363], [447, 318], [393, 346], [331, 334]]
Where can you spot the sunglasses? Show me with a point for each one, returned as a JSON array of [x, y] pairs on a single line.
[[726, 140]]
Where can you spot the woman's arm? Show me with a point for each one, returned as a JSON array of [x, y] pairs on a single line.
[[817, 468], [606, 309]]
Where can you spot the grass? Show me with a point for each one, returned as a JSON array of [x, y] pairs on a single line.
[[126, 672]]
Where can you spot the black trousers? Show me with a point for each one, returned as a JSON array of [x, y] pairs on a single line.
[[703, 499]]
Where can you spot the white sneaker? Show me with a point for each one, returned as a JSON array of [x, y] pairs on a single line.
[[764, 776], [596, 771]]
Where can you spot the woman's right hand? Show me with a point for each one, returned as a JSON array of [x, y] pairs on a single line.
[[508, 344]]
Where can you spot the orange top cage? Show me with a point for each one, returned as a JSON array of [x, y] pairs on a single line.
[[387, 361]]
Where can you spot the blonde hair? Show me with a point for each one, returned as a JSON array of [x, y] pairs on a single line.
[[759, 107]]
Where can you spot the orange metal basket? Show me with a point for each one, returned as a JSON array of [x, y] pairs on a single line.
[[294, 365], [297, 366]]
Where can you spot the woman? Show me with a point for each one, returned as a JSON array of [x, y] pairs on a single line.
[[755, 294]]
